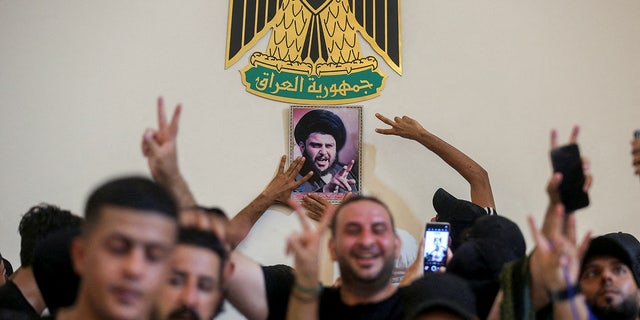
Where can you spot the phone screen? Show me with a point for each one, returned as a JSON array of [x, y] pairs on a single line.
[[436, 242], [566, 160]]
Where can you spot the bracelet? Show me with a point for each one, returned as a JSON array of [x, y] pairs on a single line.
[[566, 294], [306, 290], [308, 299]]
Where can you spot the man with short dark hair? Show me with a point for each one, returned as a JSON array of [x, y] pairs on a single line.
[[21, 292], [321, 134], [199, 270], [123, 252]]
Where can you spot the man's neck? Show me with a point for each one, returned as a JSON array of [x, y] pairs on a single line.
[[26, 283], [361, 294]]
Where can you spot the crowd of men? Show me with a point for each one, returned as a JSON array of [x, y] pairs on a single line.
[[145, 249]]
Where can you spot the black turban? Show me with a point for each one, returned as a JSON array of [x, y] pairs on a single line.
[[321, 121]]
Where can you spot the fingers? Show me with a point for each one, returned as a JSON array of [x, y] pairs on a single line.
[[554, 138], [384, 119], [302, 180], [149, 144], [162, 117], [327, 216], [584, 245], [537, 236], [574, 135], [283, 161], [175, 119], [570, 228], [299, 212]]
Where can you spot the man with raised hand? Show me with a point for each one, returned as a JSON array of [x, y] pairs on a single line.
[[160, 148]]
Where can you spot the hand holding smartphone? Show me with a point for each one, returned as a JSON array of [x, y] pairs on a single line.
[[567, 160], [436, 244]]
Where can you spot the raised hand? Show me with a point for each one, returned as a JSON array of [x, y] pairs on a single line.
[[557, 256], [305, 246], [280, 187], [340, 180], [405, 127], [159, 146]]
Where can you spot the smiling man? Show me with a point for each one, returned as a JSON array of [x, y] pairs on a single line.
[[321, 134]]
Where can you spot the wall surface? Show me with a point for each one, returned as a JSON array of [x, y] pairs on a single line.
[[79, 80]]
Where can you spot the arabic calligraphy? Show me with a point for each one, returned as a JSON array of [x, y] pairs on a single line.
[[297, 87]]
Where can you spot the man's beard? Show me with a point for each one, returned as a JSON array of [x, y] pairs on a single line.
[[375, 282], [628, 309], [311, 165], [184, 313]]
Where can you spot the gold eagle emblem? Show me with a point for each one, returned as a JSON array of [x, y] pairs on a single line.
[[311, 42]]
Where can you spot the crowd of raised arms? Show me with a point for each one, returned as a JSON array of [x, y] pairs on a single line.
[[146, 249]]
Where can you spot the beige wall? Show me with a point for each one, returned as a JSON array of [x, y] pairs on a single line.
[[79, 79]]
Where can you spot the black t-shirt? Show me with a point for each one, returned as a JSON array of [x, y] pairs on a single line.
[[12, 299], [278, 281]]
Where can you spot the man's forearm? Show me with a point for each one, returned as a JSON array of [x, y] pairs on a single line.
[[242, 222], [179, 189], [470, 170]]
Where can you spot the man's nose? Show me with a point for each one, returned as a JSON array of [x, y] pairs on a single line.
[[189, 296], [135, 263]]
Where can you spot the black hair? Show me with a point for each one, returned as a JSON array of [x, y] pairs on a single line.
[[204, 239], [214, 211], [355, 199], [37, 223], [322, 121], [130, 192]]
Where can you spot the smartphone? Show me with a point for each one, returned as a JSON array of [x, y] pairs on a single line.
[[436, 243], [636, 134], [566, 160]]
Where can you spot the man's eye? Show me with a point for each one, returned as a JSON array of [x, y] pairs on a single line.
[[155, 254], [118, 246], [206, 285], [379, 229], [176, 280]]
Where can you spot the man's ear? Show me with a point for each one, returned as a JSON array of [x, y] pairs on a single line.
[[78, 253], [301, 146]]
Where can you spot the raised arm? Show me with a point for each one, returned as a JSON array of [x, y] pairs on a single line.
[[304, 301], [160, 148], [558, 257], [278, 191], [470, 170]]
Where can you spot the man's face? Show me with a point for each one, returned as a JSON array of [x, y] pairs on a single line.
[[193, 289], [123, 261], [320, 149], [609, 287], [364, 244]]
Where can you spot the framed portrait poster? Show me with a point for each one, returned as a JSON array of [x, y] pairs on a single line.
[[330, 139]]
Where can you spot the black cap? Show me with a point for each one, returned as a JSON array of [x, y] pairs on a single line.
[[439, 291], [323, 121], [459, 213], [618, 245], [53, 269]]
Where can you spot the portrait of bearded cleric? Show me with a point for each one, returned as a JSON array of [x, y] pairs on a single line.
[[329, 138]]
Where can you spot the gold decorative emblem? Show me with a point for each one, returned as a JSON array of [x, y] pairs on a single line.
[[314, 55]]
